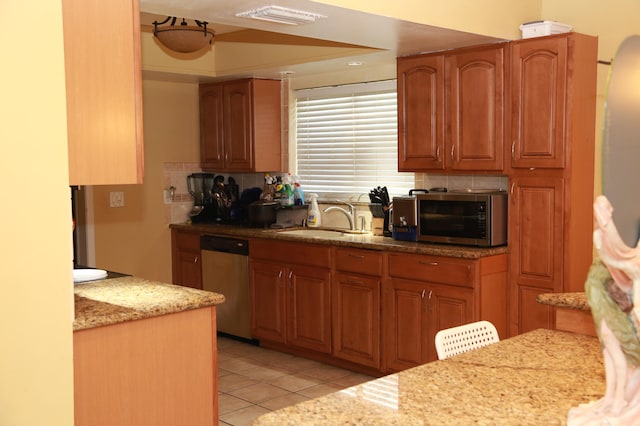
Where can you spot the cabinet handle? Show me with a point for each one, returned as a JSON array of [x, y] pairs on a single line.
[[357, 256], [280, 274], [429, 300], [354, 282], [438, 154], [422, 294], [452, 149], [513, 186], [195, 259], [290, 274], [513, 150], [430, 263]]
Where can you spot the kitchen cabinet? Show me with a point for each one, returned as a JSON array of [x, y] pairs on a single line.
[[240, 126], [104, 113], [425, 294], [551, 172], [160, 371], [356, 306], [538, 98], [451, 110], [186, 263], [291, 294]]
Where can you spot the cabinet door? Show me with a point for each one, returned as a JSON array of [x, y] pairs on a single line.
[[309, 308], [420, 113], [268, 307], [211, 131], [238, 119], [104, 92], [538, 96], [189, 272], [527, 314], [405, 324], [448, 306], [474, 93], [356, 319], [186, 264], [536, 213]]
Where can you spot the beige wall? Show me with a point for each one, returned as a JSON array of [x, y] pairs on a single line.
[[135, 239], [36, 307]]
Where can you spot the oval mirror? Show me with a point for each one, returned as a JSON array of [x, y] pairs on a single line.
[[621, 140]]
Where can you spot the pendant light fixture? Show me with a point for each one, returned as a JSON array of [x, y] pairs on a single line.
[[183, 38]]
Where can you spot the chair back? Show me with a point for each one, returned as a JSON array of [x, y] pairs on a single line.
[[456, 340]]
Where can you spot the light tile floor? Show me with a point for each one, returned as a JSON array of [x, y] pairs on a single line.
[[253, 381]]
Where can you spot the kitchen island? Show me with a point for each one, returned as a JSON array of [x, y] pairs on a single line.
[[531, 379], [145, 352]]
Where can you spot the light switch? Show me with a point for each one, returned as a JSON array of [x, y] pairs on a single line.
[[116, 199]]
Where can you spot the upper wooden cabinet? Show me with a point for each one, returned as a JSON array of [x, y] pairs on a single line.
[[240, 126], [451, 110], [538, 102], [104, 91]]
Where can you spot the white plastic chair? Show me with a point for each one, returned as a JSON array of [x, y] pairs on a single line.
[[456, 340]]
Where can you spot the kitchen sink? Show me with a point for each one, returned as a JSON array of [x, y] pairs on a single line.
[[316, 233]]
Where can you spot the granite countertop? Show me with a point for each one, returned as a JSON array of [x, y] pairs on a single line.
[[530, 379], [367, 241], [116, 300], [577, 300]]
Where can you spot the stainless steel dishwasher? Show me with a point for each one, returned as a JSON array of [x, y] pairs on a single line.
[[225, 270]]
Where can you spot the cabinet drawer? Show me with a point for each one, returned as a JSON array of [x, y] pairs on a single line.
[[360, 261], [288, 252], [189, 241], [433, 269]]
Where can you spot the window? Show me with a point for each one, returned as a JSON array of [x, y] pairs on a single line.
[[347, 139]]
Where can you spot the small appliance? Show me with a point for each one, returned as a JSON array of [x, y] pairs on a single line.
[[464, 217], [205, 209]]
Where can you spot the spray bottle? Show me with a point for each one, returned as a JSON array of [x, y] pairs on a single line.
[[313, 217]]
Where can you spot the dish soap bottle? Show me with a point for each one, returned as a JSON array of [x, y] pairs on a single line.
[[313, 217]]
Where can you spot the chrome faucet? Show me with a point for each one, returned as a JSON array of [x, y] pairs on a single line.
[[350, 214]]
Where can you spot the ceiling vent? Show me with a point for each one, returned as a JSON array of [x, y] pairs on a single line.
[[281, 15]]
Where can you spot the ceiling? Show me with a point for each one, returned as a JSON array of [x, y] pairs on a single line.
[[386, 38]]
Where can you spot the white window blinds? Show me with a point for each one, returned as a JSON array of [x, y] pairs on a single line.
[[347, 139]]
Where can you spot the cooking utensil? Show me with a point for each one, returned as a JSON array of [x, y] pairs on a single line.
[[263, 213]]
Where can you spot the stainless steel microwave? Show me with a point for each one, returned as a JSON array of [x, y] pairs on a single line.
[[465, 218]]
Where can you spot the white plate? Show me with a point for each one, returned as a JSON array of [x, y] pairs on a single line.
[[84, 275]]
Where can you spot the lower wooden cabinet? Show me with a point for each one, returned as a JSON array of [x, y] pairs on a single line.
[[356, 319], [186, 263], [415, 309], [291, 294]]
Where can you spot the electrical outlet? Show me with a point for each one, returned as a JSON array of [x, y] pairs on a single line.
[[116, 199]]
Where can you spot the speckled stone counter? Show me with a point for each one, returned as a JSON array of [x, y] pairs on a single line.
[[530, 379], [116, 300], [366, 241], [577, 300]]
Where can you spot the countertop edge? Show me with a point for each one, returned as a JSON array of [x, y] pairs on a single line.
[[577, 300], [363, 241], [118, 300]]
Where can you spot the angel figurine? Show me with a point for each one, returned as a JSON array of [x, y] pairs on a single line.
[[613, 292]]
